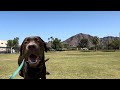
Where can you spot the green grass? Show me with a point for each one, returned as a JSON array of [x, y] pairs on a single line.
[[70, 65]]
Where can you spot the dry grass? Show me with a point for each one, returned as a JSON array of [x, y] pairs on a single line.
[[70, 65]]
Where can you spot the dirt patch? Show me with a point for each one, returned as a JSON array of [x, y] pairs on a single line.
[[7, 59]]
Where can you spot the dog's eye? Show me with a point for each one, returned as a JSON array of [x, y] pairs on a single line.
[[36, 39], [28, 40]]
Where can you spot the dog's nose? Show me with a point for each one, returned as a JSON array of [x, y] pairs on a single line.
[[31, 47]]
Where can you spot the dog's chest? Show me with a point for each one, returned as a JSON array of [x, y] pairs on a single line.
[[33, 72]]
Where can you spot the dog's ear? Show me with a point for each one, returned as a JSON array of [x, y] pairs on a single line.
[[45, 47], [21, 48]]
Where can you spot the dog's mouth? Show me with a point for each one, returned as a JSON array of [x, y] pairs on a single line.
[[33, 60]]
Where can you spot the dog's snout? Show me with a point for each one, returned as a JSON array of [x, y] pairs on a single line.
[[31, 47]]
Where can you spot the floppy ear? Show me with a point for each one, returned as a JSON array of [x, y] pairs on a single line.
[[45, 47], [21, 48]]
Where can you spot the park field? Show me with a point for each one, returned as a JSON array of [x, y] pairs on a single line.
[[70, 65]]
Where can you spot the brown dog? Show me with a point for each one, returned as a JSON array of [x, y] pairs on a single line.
[[32, 51]]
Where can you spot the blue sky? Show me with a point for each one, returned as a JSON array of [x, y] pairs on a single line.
[[58, 24]]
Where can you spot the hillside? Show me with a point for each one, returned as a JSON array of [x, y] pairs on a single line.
[[73, 41]]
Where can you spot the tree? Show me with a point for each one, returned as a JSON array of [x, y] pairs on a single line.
[[10, 43], [95, 42], [16, 42], [83, 43], [65, 45], [115, 44], [56, 44], [13, 44], [50, 42], [51, 38]]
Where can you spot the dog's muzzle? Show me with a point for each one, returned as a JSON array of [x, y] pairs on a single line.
[[33, 54], [33, 60]]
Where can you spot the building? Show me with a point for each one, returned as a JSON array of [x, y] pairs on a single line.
[[3, 46]]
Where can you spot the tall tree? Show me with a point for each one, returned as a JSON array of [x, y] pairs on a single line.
[[16, 42], [51, 38], [50, 41], [95, 42], [56, 44], [65, 45], [115, 44], [83, 43], [13, 44]]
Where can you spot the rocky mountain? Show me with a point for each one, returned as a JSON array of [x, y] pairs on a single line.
[[108, 39], [74, 40]]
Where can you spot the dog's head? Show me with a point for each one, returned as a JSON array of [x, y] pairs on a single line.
[[32, 49]]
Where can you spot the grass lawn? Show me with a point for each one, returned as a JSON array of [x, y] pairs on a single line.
[[70, 65]]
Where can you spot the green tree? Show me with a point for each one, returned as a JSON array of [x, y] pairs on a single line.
[[10, 43], [16, 42], [83, 43], [50, 42], [66, 45], [107, 43], [56, 44], [95, 41], [115, 44], [13, 44]]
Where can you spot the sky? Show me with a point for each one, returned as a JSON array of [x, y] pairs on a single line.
[[58, 24]]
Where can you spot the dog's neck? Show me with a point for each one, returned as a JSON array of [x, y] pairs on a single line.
[[34, 73]]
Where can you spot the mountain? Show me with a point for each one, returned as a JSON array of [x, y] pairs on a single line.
[[73, 41], [108, 39]]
